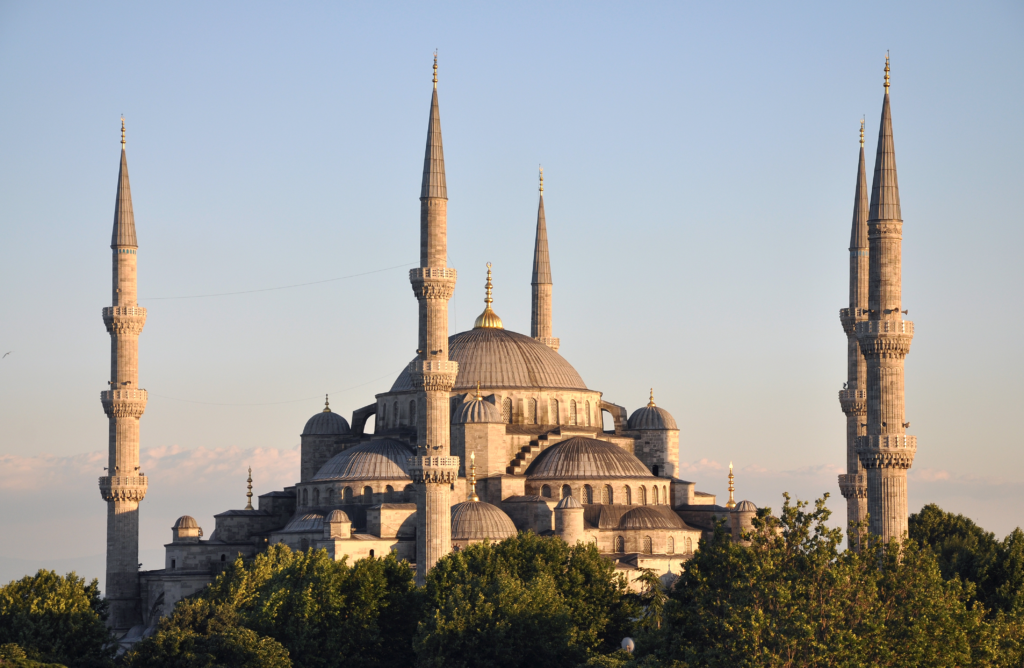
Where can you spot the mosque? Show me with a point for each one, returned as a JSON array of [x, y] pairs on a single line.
[[483, 434]]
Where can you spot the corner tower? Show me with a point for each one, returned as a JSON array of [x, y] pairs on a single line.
[[124, 486], [540, 320], [433, 470], [885, 451], [853, 397]]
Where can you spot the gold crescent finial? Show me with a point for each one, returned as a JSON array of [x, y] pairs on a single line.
[[327, 404], [472, 477], [477, 389], [862, 133], [542, 179], [435, 69], [732, 488], [122, 132], [886, 72], [651, 404], [488, 319]]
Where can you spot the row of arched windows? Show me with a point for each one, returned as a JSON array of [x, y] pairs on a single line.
[[531, 416], [347, 495], [390, 418], [659, 495], [648, 545]]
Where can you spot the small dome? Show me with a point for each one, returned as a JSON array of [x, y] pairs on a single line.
[[185, 522], [337, 516], [582, 457], [308, 522], [476, 520], [745, 507], [651, 417], [474, 410], [326, 423], [379, 459], [646, 517], [568, 503]]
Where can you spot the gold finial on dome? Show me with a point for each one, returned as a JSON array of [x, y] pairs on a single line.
[[472, 477], [327, 404], [477, 397], [862, 133], [651, 404], [886, 72], [122, 132], [541, 179], [488, 319], [732, 488], [248, 494], [435, 69]]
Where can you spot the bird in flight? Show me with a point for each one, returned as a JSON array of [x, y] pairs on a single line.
[[7, 353]]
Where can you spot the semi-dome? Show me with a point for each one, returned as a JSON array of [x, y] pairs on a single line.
[[307, 522], [477, 520], [646, 517], [476, 411], [582, 457], [502, 359], [185, 522], [651, 417], [337, 516], [379, 459], [326, 423], [568, 503], [745, 507]]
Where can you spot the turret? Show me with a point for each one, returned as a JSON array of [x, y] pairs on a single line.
[[658, 443], [433, 469], [853, 397], [124, 486], [569, 520], [540, 319], [885, 451]]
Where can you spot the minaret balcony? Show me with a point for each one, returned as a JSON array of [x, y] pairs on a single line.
[[853, 485], [121, 320], [433, 375], [853, 401], [430, 469], [432, 282], [849, 317], [123, 488], [886, 338], [124, 403], [877, 451]]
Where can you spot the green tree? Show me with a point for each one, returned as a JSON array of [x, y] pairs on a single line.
[[526, 601], [56, 619]]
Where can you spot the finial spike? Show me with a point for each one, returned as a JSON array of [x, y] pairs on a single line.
[[732, 488], [472, 477], [122, 132], [651, 404], [862, 132], [541, 179], [435, 69], [478, 390], [886, 72], [327, 404], [248, 494], [488, 318]]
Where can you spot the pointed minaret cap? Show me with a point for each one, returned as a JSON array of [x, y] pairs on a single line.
[[488, 319], [433, 161], [885, 189], [859, 229], [541, 259], [124, 217]]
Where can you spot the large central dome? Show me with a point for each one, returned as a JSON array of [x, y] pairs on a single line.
[[499, 359]]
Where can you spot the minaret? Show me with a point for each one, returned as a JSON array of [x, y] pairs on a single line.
[[885, 451], [731, 503], [433, 470], [540, 320], [124, 486], [853, 397]]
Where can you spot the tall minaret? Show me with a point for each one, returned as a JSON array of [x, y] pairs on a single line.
[[433, 471], [853, 397], [886, 451], [124, 486], [540, 320]]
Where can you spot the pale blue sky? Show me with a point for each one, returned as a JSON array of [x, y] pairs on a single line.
[[699, 160]]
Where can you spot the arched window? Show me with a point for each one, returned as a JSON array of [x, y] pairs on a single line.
[[664, 495], [588, 494], [371, 554], [412, 412], [620, 544], [671, 547], [223, 557], [531, 412], [396, 418], [641, 496], [347, 494], [654, 470], [566, 491], [689, 546], [367, 494], [506, 410], [545, 491], [655, 499], [382, 422], [554, 412], [627, 495], [330, 496], [316, 497], [587, 417], [389, 490], [572, 412], [648, 545], [607, 496], [408, 494], [304, 544], [305, 497]]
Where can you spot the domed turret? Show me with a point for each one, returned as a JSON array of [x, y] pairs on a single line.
[[652, 417], [474, 410], [326, 423], [186, 530], [569, 520], [337, 526], [742, 520], [658, 445]]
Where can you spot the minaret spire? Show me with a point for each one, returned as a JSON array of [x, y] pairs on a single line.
[[124, 486], [885, 451], [433, 470], [540, 320], [853, 396]]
